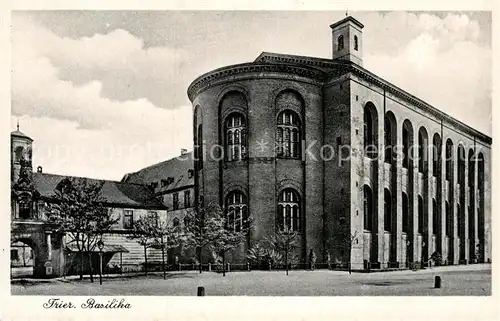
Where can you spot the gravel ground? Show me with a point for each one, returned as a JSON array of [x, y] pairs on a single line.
[[456, 281]]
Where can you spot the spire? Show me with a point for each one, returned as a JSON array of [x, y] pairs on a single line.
[[18, 124]]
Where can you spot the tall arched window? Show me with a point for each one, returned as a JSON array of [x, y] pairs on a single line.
[[199, 147], [235, 137], [436, 155], [356, 43], [406, 213], [387, 211], [370, 130], [422, 150], [340, 43], [389, 136], [407, 142], [288, 216], [420, 215], [449, 160], [368, 208], [236, 211], [288, 135]]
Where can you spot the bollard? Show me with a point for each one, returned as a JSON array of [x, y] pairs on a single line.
[[201, 291], [437, 282]]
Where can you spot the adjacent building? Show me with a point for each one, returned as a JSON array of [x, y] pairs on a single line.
[[35, 242], [311, 144]]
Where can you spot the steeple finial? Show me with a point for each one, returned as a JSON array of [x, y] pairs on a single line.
[[347, 12], [18, 124]]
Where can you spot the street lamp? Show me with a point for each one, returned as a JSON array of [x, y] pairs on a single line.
[[100, 245]]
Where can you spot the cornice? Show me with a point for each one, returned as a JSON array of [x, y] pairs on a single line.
[[320, 70], [214, 77], [402, 94]]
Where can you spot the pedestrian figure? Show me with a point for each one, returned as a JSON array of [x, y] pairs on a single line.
[[176, 262], [312, 259], [329, 260]]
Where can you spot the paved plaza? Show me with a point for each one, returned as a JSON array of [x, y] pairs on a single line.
[[456, 281]]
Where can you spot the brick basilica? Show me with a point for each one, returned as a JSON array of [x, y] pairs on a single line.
[[309, 144]]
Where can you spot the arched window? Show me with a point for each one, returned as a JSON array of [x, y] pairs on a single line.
[[368, 208], [235, 137], [370, 130], [19, 151], [449, 220], [389, 136], [236, 211], [436, 155], [461, 169], [288, 217], [407, 138], [356, 43], [449, 160], [340, 43], [420, 215], [288, 135], [406, 214], [422, 150], [198, 148], [387, 211]]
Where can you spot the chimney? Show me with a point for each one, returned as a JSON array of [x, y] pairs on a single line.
[[39, 169]]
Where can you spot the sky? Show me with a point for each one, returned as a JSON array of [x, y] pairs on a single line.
[[103, 93]]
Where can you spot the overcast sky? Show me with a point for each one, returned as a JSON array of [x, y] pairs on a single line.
[[104, 93]]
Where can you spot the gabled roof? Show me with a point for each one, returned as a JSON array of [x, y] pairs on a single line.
[[114, 193], [177, 167]]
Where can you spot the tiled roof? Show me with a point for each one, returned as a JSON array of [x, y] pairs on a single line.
[[115, 193], [177, 168]]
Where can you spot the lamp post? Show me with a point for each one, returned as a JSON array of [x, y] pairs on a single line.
[[100, 245]]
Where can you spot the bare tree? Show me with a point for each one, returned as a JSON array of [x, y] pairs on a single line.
[[79, 211]]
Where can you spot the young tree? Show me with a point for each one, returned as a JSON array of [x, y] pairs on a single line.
[[203, 226], [165, 237], [143, 232], [208, 228], [229, 237], [79, 211], [285, 243], [261, 254]]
